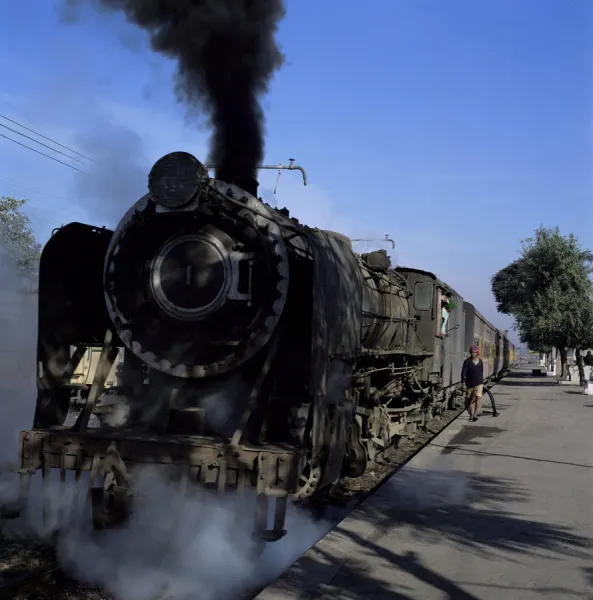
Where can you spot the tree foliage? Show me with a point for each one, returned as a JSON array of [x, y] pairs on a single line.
[[16, 237], [549, 292]]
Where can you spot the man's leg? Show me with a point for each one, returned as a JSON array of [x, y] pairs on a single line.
[[469, 402], [476, 400], [475, 405]]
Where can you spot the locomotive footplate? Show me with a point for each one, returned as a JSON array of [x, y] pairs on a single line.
[[273, 470]]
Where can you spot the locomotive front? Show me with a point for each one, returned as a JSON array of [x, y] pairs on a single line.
[[196, 273], [183, 301]]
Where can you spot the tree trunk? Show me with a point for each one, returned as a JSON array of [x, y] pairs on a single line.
[[580, 365], [563, 362]]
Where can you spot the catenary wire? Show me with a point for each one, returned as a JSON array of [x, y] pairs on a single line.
[[43, 154], [44, 145], [45, 137]]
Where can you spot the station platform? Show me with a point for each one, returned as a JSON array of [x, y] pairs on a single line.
[[498, 508]]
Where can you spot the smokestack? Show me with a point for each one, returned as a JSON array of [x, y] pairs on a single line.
[[226, 56]]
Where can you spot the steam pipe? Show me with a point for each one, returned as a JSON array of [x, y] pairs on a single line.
[[289, 167], [386, 239]]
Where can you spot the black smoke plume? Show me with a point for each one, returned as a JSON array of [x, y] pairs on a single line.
[[226, 54]]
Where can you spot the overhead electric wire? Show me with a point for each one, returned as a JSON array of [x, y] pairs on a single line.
[[17, 184], [46, 138], [44, 145], [43, 154]]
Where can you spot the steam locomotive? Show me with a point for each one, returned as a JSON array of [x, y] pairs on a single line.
[[241, 348]]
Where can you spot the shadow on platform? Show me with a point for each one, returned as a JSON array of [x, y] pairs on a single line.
[[466, 510], [461, 450], [532, 382], [471, 436], [524, 378]]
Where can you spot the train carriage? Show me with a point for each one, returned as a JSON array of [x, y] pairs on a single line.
[[452, 338], [499, 348], [481, 333], [509, 357], [444, 337]]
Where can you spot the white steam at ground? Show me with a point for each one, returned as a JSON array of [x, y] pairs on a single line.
[[176, 545], [184, 546]]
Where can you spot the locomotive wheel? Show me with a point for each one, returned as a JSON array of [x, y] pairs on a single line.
[[308, 481]]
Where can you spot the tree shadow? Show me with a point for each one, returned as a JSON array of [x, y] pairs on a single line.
[[527, 374], [527, 383], [366, 556], [523, 378], [467, 510]]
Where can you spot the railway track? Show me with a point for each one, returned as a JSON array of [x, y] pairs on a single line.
[[51, 582], [20, 584]]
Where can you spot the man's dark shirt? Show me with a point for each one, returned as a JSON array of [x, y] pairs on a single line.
[[588, 360], [471, 374]]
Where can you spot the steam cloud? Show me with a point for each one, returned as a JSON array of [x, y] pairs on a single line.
[[119, 174], [18, 327], [226, 55], [178, 545]]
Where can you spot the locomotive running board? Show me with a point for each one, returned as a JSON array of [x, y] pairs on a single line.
[[272, 470]]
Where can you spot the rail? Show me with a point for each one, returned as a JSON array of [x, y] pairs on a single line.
[[13, 587]]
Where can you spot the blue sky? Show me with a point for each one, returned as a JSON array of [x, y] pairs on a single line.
[[456, 127]]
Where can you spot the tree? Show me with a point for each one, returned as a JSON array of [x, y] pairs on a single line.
[[16, 237], [549, 292], [509, 290]]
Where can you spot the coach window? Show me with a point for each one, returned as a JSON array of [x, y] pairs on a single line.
[[423, 295]]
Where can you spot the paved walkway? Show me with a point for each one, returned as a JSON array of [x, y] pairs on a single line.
[[500, 508]]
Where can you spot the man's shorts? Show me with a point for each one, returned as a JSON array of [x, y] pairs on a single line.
[[476, 391]]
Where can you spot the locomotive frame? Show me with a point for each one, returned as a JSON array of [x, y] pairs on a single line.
[[353, 358]]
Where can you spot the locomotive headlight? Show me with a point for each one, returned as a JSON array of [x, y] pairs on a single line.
[[191, 276], [175, 179]]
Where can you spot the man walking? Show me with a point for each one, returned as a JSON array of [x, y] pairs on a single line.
[[472, 382]]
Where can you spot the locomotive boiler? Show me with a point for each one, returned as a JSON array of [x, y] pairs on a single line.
[[247, 349]]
